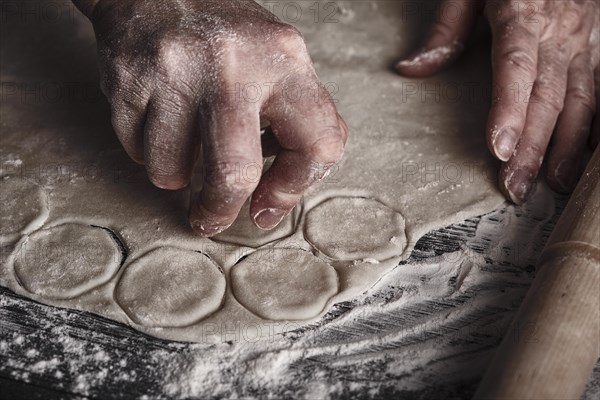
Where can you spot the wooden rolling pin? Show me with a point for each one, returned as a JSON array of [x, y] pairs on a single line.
[[551, 348]]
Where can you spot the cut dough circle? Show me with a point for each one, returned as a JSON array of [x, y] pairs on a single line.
[[170, 287], [22, 208], [284, 284], [355, 228], [66, 260]]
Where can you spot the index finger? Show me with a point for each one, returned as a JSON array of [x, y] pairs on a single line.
[[312, 137], [230, 145]]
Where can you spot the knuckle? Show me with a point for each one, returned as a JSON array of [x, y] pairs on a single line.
[[547, 97], [174, 56], [548, 93], [288, 32], [177, 72], [170, 52], [517, 57], [552, 104], [228, 179], [289, 40]]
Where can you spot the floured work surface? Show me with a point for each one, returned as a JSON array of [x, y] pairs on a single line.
[[426, 331], [95, 235]]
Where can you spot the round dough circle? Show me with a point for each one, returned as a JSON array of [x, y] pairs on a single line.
[[170, 287], [22, 208], [67, 260], [284, 284], [355, 228]]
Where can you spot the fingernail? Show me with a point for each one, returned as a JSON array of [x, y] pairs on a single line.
[[519, 184], [505, 143], [169, 182], [269, 218], [565, 174]]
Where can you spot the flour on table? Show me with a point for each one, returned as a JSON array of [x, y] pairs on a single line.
[[416, 160]]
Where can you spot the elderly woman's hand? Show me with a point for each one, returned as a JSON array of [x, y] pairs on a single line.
[[188, 76], [545, 57]]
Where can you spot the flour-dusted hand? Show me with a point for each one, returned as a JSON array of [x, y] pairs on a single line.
[[189, 77], [545, 54]]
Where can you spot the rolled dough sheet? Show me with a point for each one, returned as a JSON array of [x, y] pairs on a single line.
[[416, 161]]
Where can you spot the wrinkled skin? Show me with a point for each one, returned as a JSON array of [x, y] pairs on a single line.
[[550, 51], [181, 77]]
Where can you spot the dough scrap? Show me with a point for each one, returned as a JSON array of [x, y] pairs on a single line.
[[370, 229], [22, 208], [284, 284], [67, 260], [170, 287]]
